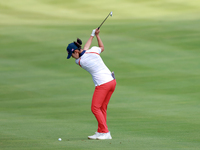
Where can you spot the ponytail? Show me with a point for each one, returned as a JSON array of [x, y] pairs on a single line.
[[78, 43]]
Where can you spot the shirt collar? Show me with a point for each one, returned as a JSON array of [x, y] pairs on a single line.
[[83, 52]]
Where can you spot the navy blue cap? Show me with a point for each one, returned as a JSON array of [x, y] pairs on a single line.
[[70, 49]]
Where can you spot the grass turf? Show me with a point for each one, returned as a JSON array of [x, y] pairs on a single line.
[[153, 47]]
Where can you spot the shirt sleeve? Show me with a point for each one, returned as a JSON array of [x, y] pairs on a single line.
[[96, 49]]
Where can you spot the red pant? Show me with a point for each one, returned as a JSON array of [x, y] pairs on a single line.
[[100, 100]]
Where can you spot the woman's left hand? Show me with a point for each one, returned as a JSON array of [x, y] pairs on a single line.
[[97, 31]]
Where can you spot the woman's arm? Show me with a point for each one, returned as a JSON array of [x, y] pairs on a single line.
[[100, 43], [88, 43]]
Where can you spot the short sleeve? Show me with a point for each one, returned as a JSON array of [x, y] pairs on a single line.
[[95, 49]]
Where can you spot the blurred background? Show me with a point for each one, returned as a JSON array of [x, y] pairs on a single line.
[[153, 47]]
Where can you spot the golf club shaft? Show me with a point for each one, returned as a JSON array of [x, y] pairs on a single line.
[[104, 21]]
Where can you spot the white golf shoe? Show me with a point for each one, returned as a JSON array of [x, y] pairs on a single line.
[[94, 137], [104, 136]]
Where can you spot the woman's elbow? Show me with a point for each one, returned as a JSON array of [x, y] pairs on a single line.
[[102, 49]]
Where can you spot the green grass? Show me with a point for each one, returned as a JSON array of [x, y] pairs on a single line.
[[153, 47]]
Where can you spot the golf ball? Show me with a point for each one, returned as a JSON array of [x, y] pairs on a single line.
[[59, 139]]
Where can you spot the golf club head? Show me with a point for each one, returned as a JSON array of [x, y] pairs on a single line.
[[111, 13]]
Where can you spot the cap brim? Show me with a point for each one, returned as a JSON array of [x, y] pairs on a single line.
[[69, 55]]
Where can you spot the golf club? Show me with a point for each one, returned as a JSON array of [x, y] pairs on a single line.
[[110, 14]]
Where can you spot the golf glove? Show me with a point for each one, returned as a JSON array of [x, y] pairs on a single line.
[[93, 32]]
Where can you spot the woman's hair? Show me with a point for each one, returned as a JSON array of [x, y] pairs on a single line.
[[78, 43]]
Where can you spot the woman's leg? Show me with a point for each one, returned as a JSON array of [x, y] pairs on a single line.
[[107, 99], [97, 101], [100, 101]]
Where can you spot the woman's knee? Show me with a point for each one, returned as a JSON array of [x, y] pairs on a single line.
[[94, 109]]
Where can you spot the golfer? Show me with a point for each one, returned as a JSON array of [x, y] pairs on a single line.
[[104, 80]]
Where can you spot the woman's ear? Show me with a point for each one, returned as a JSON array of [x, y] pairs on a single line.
[[75, 54], [76, 51]]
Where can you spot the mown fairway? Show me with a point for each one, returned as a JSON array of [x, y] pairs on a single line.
[[153, 47]]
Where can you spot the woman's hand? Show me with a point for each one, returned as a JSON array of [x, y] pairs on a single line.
[[97, 31]]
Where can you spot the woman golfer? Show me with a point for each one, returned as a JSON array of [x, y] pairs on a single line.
[[104, 80]]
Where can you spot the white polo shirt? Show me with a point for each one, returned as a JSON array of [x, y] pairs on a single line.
[[92, 62]]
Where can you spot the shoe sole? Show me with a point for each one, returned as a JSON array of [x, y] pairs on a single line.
[[92, 138], [105, 139]]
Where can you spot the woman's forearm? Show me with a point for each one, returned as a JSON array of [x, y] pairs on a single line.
[[100, 43], [88, 43]]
